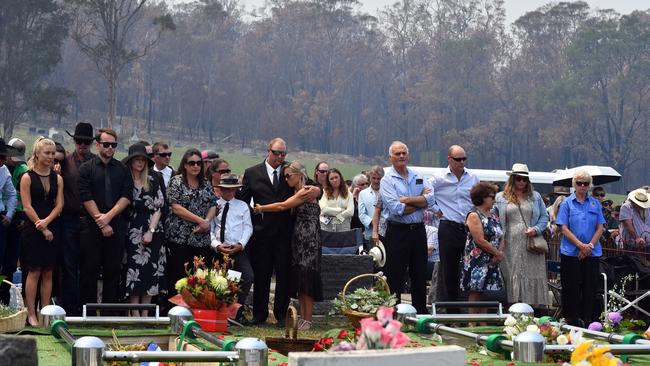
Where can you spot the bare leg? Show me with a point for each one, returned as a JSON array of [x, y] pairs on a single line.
[[309, 306], [473, 296], [145, 299], [134, 299], [30, 293], [46, 288]]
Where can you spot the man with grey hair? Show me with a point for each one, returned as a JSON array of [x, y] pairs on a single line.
[[452, 187], [367, 199], [359, 183], [405, 195]]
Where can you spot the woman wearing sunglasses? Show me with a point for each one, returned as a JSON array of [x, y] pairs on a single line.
[[305, 243], [581, 218], [523, 215], [193, 206]]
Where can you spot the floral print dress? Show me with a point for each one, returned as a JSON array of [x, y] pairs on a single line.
[[145, 264], [477, 274]]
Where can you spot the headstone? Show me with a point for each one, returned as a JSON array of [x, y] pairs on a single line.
[[443, 355], [18, 351]]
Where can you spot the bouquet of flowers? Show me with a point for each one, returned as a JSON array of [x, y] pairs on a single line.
[[518, 323], [383, 333], [585, 355], [208, 288]]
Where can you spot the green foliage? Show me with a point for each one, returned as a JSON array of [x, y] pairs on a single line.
[[6, 311], [364, 300]]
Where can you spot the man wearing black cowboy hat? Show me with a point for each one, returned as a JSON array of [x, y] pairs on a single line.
[[106, 189], [8, 199], [83, 139]]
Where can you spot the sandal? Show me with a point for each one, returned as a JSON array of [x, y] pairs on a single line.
[[304, 324]]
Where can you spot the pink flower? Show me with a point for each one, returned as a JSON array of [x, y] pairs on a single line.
[[343, 346], [385, 338], [399, 340], [362, 344], [614, 317], [595, 326], [371, 329], [393, 327], [385, 314]]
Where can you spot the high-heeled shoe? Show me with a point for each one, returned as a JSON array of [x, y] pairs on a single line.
[[304, 324]]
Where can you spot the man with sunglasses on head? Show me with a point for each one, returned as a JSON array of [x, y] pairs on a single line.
[[161, 156], [83, 139], [452, 187], [270, 245], [106, 189]]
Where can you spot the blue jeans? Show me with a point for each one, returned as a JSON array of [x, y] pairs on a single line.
[[70, 249]]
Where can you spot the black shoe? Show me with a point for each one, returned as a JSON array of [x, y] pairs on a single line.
[[280, 324]]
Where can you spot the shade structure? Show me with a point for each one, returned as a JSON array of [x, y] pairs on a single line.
[[599, 175]]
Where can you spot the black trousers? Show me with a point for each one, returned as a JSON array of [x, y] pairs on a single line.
[[579, 284], [452, 237], [98, 251], [269, 254], [178, 255], [406, 246]]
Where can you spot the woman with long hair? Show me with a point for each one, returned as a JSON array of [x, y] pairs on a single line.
[[193, 206], [337, 204], [523, 216], [41, 191], [145, 253], [305, 243]]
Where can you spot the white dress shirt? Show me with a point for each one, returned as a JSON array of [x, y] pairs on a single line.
[[166, 173], [238, 224], [270, 170], [452, 195]]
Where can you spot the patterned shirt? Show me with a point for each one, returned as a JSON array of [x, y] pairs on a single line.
[[198, 201]]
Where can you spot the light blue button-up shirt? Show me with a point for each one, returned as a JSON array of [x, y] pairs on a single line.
[[393, 186], [452, 195], [582, 219], [367, 200], [8, 199]]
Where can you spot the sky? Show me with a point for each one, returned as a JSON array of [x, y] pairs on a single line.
[[514, 8]]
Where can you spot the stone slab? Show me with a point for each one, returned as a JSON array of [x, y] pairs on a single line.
[[443, 355]]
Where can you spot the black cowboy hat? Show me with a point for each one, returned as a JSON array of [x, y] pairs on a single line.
[[137, 150], [82, 130]]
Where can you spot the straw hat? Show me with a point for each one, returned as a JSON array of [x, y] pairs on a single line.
[[519, 169], [378, 253], [640, 197]]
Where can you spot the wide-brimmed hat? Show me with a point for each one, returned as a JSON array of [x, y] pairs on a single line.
[[82, 130], [137, 150], [17, 151], [561, 191], [209, 155], [229, 181], [640, 197], [518, 169], [378, 253]]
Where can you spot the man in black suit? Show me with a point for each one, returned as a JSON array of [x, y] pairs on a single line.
[[270, 246]]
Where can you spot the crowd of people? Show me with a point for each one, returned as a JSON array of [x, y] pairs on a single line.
[[135, 223]]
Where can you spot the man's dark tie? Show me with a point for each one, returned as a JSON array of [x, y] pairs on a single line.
[[276, 182], [222, 232], [108, 191]]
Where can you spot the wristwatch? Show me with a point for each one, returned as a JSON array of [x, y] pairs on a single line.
[[152, 230]]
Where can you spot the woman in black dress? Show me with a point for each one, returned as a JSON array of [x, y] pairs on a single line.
[[41, 191], [305, 243], [145, 253]]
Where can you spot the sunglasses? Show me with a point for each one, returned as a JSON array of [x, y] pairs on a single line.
[[193, 162], [165, 155], [599, 195], [322, 171], [57, 161], [287, 176], [519, 178], [278, 152], [583, 184], [223, 171], [83, 141], [459, 159], [106, 145]]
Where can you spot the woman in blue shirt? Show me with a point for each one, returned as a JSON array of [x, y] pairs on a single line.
[[582, 221]]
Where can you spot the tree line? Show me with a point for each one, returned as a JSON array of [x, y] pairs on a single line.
[[563, 85]]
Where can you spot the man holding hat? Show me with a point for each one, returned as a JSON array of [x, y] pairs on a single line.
[[635, 219], [8, 199], [230, 231], [83, 139], [16, 165]]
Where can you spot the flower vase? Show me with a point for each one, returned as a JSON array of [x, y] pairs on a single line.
[[211, 320]]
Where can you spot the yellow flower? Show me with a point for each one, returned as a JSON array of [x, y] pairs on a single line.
[[180, 284], [200, 273], [581, 352]]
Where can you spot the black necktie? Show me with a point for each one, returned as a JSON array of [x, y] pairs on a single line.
[[222, 232], [275, 179], [108, 192]]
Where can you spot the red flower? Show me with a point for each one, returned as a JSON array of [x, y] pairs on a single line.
[[327, 341], [318, 347], [192, 281], [343, 334], [357, 332]]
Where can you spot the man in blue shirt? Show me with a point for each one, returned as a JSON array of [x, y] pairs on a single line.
[[405, 195], [8, 200], [452, 188]]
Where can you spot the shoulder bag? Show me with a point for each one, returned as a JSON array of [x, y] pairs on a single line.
[[536, 244]]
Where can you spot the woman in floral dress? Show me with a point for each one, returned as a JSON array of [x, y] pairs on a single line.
[[484, 247], [145, 252]]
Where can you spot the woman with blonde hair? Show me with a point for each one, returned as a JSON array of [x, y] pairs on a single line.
[[41, 191], [305, 243], [523, 216], [581, 218], [146, 259]]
